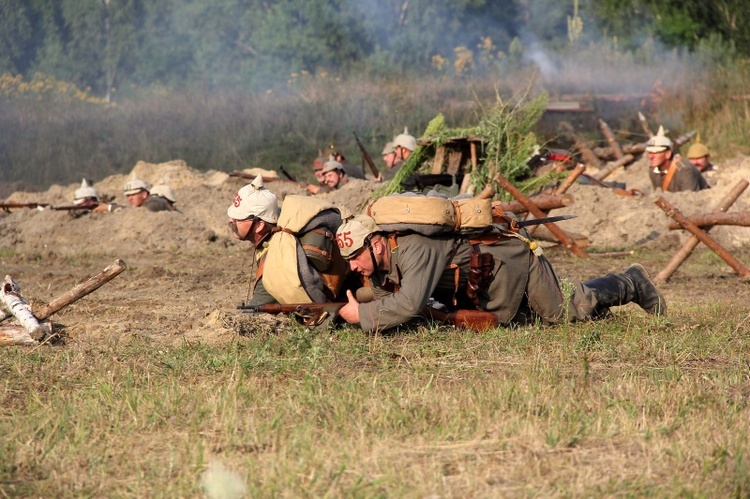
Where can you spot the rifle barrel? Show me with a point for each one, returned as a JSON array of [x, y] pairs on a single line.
[[366, 156]]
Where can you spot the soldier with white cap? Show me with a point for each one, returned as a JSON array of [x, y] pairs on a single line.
[[334, 175], [392, 163], [253, 213], [298, 261], [86, 198], [136, 191], [405, 145], [161, 198], [668, 171], [406, 270]]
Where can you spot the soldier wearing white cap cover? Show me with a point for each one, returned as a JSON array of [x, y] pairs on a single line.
[[406, 270], [668, 171], [253, 213]]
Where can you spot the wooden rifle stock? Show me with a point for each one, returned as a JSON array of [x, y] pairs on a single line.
[[289, 308], [7, 206], [366, 156], [478, 320]]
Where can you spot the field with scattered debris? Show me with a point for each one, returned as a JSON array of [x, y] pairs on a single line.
[[157, 386]]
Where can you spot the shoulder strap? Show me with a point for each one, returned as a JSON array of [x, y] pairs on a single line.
[[670, 173]]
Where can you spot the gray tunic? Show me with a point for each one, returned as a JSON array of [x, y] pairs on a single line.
[[523, 287], [686, 178]]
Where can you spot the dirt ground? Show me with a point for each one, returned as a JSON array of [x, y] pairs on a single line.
[[186, 273]]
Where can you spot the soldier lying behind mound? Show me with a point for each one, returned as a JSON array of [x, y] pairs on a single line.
[[298, 261], [512, 281], [139, 195]]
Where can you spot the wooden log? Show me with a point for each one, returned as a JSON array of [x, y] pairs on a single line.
[[570, 179], [544, 203], [691, 243], [644, 124], [20, 309], [454, 161], [78, 292], [466, 182], [741, 219], [16, 335], [587, 154], [538, 213], [542, 233], [611, 140], [608, 153], [438, 160], [677, 215], [685, 137], [612, 166]]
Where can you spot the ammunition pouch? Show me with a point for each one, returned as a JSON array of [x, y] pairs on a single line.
[[481, 266], [318, 247]]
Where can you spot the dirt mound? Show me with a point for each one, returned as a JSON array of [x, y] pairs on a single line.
[[613, 222], [610, 221], [202, 199]]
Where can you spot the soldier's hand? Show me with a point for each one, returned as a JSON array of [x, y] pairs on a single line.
[[314, 189], [350, 311]]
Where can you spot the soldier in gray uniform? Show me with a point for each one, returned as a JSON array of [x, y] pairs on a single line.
[[407, 270], [670, 172]]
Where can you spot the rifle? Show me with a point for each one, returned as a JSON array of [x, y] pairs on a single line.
[[73, 207], [617, 190], [290, 176], [366, 156], [477, 320], [7, 206]]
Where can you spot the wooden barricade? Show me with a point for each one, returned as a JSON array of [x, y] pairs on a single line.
[[701, 236]]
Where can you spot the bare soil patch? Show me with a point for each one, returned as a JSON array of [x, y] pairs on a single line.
[[186, 273]]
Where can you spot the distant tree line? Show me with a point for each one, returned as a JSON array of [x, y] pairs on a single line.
[[253, 44]]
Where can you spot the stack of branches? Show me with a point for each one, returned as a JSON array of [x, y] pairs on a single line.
[[505, 130]]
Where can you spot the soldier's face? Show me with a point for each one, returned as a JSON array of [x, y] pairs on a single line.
[[362, 263], [390, 159], [331, 179], [319, 175], [137, 199], [658, 159], [700, 163]]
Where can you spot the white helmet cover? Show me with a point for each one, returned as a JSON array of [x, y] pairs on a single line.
[[254, 200], [351, 235]]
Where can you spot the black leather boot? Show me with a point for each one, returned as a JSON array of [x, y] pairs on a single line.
[[633, 285]]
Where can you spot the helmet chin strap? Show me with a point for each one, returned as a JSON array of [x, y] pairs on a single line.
[[375, 269]]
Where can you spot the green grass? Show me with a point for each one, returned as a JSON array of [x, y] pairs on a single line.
[[631, 406]]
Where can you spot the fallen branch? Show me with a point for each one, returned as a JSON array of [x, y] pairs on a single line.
[[741, 219], [16, 335], [544, 203], [78, 292], [16, 305]]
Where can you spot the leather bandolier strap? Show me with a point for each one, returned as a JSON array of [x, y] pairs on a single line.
[[673, 167]]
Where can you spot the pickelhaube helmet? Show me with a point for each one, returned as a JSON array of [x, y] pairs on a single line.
[[405, 140], [659, 142], [86, 191], [254, 200], [135, 185], [352, 235], [164, 191]]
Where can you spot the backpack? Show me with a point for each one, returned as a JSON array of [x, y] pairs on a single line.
[[432, 215]]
